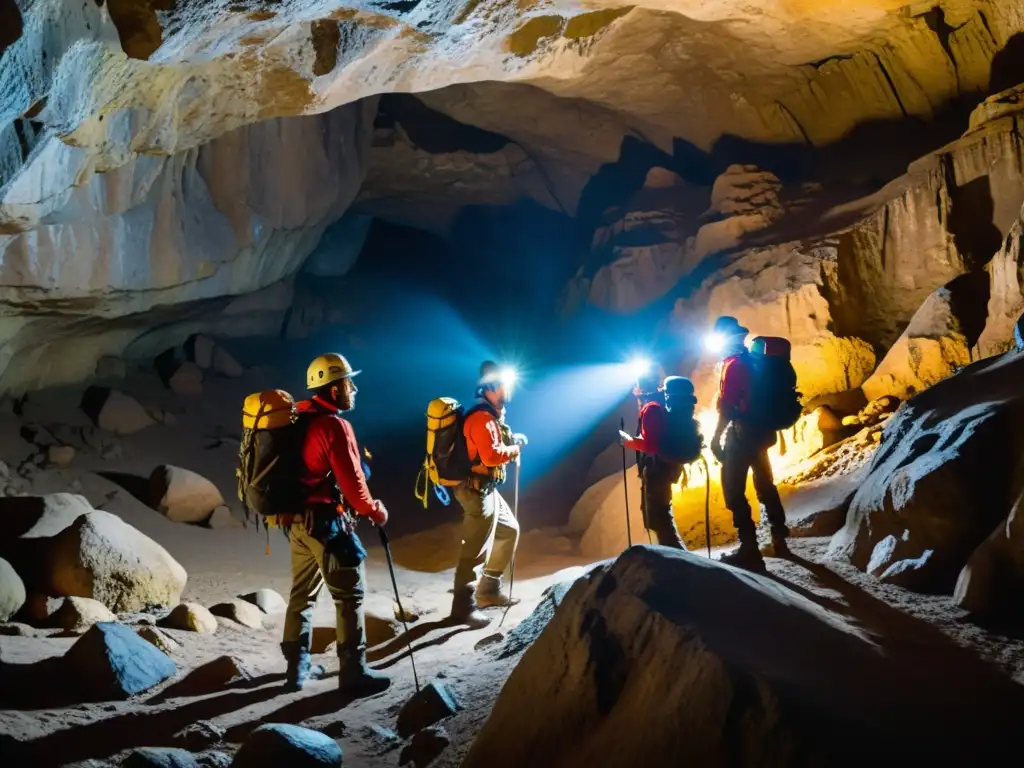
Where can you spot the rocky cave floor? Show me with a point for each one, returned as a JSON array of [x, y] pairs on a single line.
[[43, 723]]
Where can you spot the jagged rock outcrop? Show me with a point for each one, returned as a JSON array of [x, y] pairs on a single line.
[[1006, 300], [648, 661], [157, 240], [942, 479], [937, 343]]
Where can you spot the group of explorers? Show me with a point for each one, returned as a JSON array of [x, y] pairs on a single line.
[[301, 470]]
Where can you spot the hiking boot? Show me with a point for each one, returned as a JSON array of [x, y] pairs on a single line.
[[301, 668], [465, 611], [356, 679], [777, 547], [747, 557], [489, 594]]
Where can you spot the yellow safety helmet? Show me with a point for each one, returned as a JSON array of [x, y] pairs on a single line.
[[327, 369]]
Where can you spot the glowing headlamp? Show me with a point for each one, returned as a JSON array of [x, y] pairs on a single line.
[[639, 366], [508, 376], [715, 342]]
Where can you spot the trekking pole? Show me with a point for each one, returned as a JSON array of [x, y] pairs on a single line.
[[625, 486], [394, 583], [512, 565], [707, 503]]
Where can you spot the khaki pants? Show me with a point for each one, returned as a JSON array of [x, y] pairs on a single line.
[[313, 565], [489, 535], [746, 450], [656, 504]]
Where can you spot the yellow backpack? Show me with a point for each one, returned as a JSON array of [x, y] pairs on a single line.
[[270, 455], [447, 461]]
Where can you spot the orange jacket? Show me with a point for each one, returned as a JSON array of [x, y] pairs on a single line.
[[484, 444]]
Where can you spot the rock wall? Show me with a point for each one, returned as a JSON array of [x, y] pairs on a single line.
[[153, 241]]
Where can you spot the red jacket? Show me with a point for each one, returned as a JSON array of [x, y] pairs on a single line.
[[653, 422], [734, 387], [330, 448], [484, 443]]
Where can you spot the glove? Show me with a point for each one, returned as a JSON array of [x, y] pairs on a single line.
[[379, 514], [520, 439], [623, 437]]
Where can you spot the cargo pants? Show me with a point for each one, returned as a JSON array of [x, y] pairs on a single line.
[[746, 449], [336, 563], [490, 535], [656, 503]]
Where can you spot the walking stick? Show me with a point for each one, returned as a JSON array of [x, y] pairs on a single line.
[[625, 487], [394, 583], [707, 503], [512, 565]]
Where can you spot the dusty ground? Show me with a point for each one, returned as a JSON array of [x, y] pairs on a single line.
[[224, 563]]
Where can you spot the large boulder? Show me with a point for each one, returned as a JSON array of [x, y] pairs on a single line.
[[110, 661], [12, 591], [102, 557], [650, 661], [182, 495], [942, 479], [29, 522], [274, 744], [77, 614], [114, 411], [992, 582], [187, 380], [936, 344]]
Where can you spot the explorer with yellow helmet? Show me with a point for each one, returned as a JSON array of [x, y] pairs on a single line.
[[301, 470]]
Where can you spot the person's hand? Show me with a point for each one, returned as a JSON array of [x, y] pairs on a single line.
[[520, 439], [379, 514], [717, 451], [623, 437]]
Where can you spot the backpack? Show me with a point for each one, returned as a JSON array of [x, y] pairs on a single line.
[[447, 461], [682, 441], [774, 401], [270, 455]]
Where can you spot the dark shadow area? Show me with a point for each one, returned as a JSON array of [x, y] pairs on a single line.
[[1008, 65], [10, 26], [138, 728], [136, 485], [198, 683], [406, 639], [434, 131], [296, 712], [972, 220], [968, 298]]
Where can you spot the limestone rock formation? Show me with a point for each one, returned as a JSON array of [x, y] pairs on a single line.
[[160, 757], [648, 660], [187, 380], [921, 510], [1006, 302], [937, 343], [102, 557], [159, 638], [156, 164], [182, 495]]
